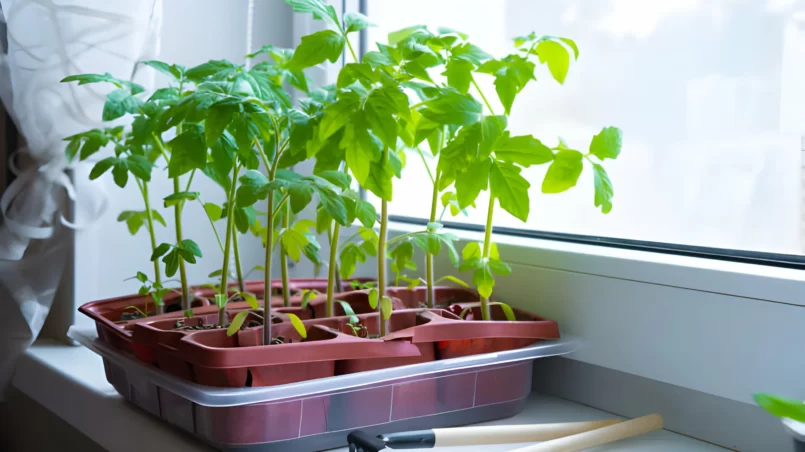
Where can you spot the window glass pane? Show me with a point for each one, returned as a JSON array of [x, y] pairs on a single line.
[[709, 95]]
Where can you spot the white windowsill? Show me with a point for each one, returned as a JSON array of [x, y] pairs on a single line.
[[762, 282], [70, 382]]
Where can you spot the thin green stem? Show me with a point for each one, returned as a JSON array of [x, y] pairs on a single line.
[[485, 314], [190, 181], [230, 220], [344, 242], [351, 50], [238, 268], [400, 238], [478, 88], [381, 257], [177, 215], [160, 307], [332, 269], [286, 289], [424, 162], [429, 270], [212, 225], [269, 234]]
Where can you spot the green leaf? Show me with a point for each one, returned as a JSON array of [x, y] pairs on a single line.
[[523, 150], [84, 79], [191, 247], [396, 36], [160, 250], [212, 67], [317, 48], [188, 152], [366, 213], [379, 180], [471, 182], [403, 253], [176, 198], [459, 74], [607, 144], [336, 116], [484, 281], [165, 68], [510, 188], [355, 22], [102, 167], [171, 261], [348, 311], [361, 149], [213, 210], [350, 255], [494, 253], [293, 242], [471, 53], [452, 108], [572, 44], [118, 103], [140, 167], [220, 300], [507, 310], [298, 325], [318, 8], [237, 322], [307, 294], [135, 222], [357, 72], [499, 267], [374, 296], [120, 173], [218, 118], [511, 75], [454, 280], [780, 407], [72, 149], [471, 250], [556, 56], [250, 299], [158, 217], [385, 308], [564, 172], [603, 188]]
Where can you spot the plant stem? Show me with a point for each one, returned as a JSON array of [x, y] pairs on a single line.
[[177, 215], [381, 257], [286, 295], [238, 268], [485, 314], [332, 269], [160, 307], [351, 50], [230, 220], [478, 88], [267, 268], [431, 292]]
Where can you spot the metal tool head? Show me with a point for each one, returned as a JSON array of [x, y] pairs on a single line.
[[360, 441]]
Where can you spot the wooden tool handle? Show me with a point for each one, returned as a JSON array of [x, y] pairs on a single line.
[[505, 434], [604, 435]]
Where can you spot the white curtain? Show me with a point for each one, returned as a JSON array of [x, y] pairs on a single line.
[[46, 41]]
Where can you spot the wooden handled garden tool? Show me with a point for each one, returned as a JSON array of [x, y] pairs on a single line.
[[360, 441], [604, 435]]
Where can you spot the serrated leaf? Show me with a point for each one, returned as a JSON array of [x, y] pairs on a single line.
[[188, 152], [319, 9], [118, 103], [523, 150], [293, 242], [471, 53], [510, 188], [459, 74], [452, 108], [603, 188], [237, 322], [607, 144], [316, 48], [564, 172], [218, 118], [556, 56], [472, 181], [102, 167]]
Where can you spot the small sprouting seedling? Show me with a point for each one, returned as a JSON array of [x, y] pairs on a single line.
[[139, 311], [307, 295], [153, 288], [221, 301], [781, 407]]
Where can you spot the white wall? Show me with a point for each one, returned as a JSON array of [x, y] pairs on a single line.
[[193, 31]]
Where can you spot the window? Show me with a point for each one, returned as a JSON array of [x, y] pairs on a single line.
[[709, 95]]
